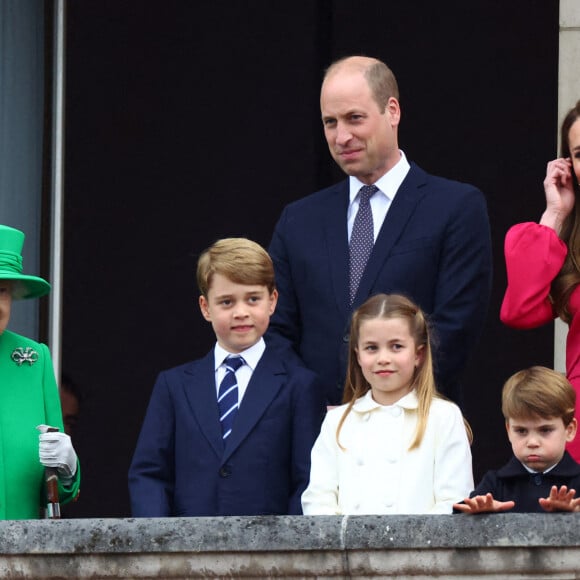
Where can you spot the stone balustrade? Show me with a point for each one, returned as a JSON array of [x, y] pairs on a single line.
[[460, 546]]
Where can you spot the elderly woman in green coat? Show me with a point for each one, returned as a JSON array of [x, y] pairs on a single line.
[[29, 401]]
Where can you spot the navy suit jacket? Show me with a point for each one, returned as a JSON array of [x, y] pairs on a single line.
[[434, 247], [181, 466]]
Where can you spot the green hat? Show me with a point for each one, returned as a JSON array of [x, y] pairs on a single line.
[[11, 242]]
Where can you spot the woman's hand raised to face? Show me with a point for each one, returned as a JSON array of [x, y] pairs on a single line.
[[559, 190]]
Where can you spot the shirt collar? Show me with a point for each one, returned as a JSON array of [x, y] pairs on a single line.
[[532, 471], [366, 403], [566, 467], [388, 184], [251, 355]]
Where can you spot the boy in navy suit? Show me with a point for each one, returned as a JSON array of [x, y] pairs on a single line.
[[538, 405], [231, 433]]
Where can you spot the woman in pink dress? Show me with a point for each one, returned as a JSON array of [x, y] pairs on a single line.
[[543, 260]]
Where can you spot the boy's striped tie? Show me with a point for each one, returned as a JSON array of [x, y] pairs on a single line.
[[228, 394]]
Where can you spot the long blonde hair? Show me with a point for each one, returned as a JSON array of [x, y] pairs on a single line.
[[569, 276], [387, 306]]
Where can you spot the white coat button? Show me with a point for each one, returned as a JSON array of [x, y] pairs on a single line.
[[366, 417], [396, 411]]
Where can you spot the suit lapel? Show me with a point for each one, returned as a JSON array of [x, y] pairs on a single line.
[[402, 208], [337, 240], [266, 381], [200, 392]]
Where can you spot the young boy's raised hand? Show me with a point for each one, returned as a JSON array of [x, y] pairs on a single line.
[[483, 503], [561, 500]]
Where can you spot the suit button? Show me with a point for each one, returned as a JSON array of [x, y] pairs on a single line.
[[346, 338], [225, 472]]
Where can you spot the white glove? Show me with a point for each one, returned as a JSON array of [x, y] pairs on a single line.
[[56, 450]]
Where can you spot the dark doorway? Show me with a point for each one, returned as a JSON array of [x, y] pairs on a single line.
[[190, 121]]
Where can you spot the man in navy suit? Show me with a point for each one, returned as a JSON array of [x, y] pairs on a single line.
[[231, 433], [431, 238]]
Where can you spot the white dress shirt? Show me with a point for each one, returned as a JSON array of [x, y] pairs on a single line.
[[388, 186], [251, 355]]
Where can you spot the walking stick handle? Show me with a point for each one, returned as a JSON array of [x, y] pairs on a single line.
[[51, 479]]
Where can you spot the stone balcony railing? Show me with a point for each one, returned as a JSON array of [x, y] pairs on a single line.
[[460, 546]]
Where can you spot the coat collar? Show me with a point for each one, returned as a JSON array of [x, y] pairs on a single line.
[[401, 210], [200, 392], [336, 234], [366, 403], [408, 196], [566, 468], [267, 380]]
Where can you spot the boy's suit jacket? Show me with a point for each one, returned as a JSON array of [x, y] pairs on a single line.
[[434, 247], [513, 482], [181, 466]]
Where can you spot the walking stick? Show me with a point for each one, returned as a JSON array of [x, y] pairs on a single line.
[[52, 500]]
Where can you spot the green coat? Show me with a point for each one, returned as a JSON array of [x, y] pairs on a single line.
[[28, 397]]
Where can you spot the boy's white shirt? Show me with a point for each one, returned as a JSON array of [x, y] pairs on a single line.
[[251, 356], [376, 474]]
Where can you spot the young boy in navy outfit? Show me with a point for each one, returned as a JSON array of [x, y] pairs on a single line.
[[231, 433], [538, 406]]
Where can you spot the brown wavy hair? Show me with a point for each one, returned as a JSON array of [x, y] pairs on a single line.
[[569, 276]]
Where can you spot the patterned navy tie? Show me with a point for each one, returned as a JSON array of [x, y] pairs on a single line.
[[361, 239], [228, 394]]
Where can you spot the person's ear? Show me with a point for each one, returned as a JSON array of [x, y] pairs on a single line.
[[571, 429], [273, 301], [419, 356], [393, 111], [204, 307]]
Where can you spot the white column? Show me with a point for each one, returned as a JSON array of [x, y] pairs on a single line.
[[57, 188], [568, 94]]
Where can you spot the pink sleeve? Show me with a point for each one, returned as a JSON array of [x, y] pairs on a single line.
[[534, 255]]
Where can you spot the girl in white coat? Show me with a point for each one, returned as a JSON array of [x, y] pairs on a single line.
[[396, 446]]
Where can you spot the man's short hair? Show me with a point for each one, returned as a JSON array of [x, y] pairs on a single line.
[[378, 75], [238, 259]]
